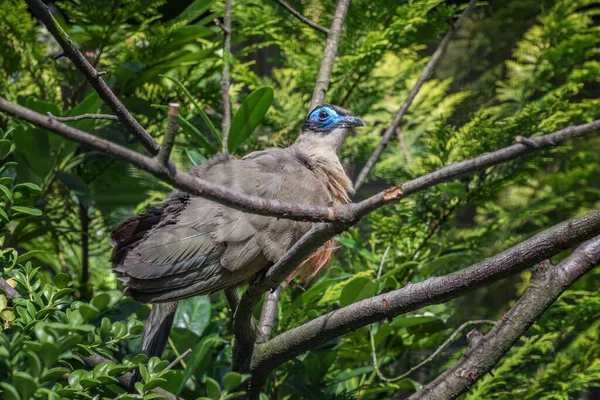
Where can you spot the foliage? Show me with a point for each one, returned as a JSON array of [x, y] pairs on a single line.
[[520, 67]]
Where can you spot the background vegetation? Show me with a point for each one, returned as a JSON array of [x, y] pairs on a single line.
[[521, 67]]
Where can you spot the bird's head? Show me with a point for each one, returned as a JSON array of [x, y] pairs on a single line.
[[329, 125]]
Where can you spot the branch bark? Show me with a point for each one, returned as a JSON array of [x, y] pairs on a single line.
[[226, 123], [346, 214], [329, 53], [431, 291], [169, 139], [437, 55], [302, 17], [483, 353], [9, 291], [84, 116]]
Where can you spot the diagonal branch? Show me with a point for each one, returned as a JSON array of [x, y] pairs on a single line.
[[346, 214], [484, 352], [431, 291], [92, 76], [329, 53], [302, 17], [437, 55]]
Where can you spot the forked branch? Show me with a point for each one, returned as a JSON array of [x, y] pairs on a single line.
[[484, 352]]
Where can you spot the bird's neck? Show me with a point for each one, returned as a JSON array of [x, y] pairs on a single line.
[[323, 151]]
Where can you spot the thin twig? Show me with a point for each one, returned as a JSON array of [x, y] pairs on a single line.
[[329, 53], [178, 359], [428, 359], [302, 17], [83, 116], [267, 316], [169, 138], [484, 352], [437, 55], [226, 80], [385, 253]]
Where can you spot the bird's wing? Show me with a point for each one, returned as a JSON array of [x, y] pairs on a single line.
[[187, 245]]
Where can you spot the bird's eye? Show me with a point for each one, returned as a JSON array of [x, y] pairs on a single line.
[[323, 114]]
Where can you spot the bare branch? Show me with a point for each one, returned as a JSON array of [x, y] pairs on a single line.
[[169, 139], [267, 316], [302, 17], [9, 291], [329, 53], [483, 353], [92, 76], [431, 291], [437, 55], [226, 123], [428, 359], [348, 214], [178, 359], [83, 116]]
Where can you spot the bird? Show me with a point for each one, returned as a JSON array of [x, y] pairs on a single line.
[[188, 246]]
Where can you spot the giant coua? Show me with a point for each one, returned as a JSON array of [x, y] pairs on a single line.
[[187, 246]]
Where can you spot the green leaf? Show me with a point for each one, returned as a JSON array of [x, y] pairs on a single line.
[[30, 254], [249, 116], [213, 390], [199, 110], [31, 187], [61, 280], [27, 210], [198, 353], [5, 146], [196, 135], [195, 157], [54, 373], [193, 314], [3, 215], [194, 10], [7, 193], [232, 380], [357, 289], [9, 392]]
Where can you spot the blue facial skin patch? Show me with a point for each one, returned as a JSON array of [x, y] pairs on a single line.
[[325, 116]]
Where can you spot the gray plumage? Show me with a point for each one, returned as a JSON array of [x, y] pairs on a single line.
[[189, 246]]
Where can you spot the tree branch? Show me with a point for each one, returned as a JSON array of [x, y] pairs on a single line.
[[484, 352], [9, 291], [346, 214], [329, 53], [226, 123], [92, 76], [267, 316], [169, 139], [84, 116], [431, 291], [302, 17], [437, 55]]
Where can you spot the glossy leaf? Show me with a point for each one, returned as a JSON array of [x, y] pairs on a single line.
[[249, 116]]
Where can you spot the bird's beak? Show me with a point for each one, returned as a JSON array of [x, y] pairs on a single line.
[[351, 122]]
